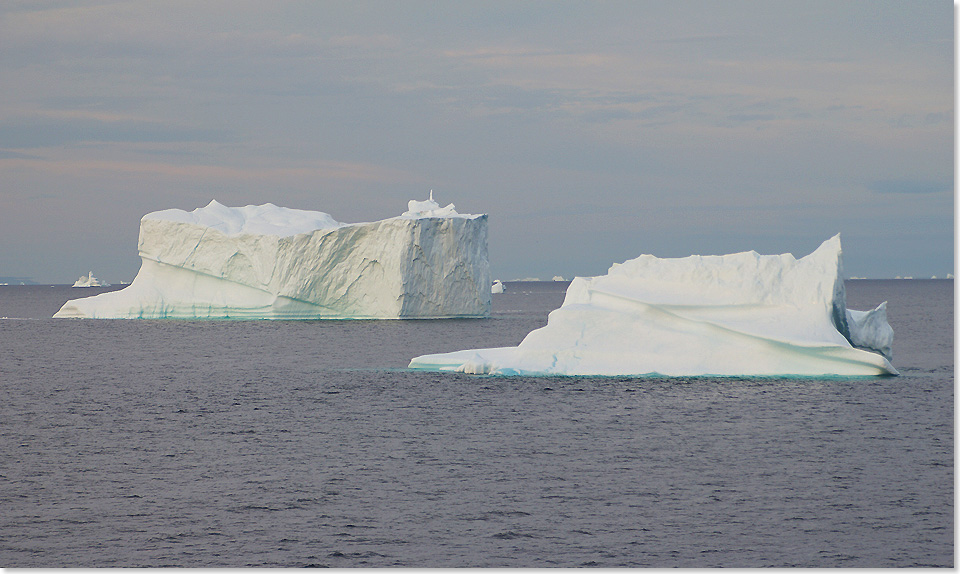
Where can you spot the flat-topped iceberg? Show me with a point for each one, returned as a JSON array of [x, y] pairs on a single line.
[[726, 315], [269, 262]]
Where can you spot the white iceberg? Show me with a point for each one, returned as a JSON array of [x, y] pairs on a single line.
[[269, 262], [740, 314], [497, 287], [89, 280]]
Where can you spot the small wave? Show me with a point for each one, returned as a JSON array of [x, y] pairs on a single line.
[[510, 535]]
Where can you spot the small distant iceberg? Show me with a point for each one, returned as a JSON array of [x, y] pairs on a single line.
[[742, 314], [89, 280], [497, 287], [558, 278], [17, 281]]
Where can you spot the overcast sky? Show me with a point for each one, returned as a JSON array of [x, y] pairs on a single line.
[[591, 132]]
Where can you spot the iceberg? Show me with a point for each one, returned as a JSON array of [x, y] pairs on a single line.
[[89, 280], [742, 314], [270, 262], [497, 287]]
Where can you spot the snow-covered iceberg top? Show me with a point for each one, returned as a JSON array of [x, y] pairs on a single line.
[[270, 262], [269, 219], [430, 208], [738, 314], [266, 219]]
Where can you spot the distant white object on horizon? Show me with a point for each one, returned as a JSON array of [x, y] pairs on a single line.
[[731, 315], [558, 278], [269, 262], [89, 281], [497, 287]]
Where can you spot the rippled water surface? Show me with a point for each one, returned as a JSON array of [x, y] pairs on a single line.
[[206, 444]]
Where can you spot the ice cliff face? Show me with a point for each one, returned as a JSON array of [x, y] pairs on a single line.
[[271, 262], [739, 314]]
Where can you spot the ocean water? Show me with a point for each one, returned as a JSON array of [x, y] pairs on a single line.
[[258, 443]]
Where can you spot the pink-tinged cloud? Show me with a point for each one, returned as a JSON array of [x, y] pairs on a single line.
[[320, 170]]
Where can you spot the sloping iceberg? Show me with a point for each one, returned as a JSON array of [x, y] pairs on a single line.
[[728, 315], [269, 262]]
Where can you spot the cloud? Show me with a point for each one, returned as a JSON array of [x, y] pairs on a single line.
[[49, 130], [747, 118], [662, 105], [306, 172], [7, 154], [909, 186]]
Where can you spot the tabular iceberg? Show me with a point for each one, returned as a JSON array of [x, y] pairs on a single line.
[[727, 315], [269, 262]]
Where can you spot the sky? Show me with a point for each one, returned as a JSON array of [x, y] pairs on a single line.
[[591, 132]]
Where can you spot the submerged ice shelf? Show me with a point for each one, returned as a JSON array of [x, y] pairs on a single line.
[[269, 262], [739, 314]]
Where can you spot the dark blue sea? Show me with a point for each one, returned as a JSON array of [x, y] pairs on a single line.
[[282, 443]]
